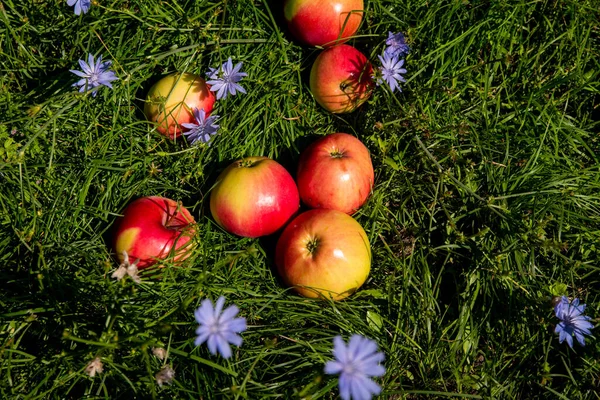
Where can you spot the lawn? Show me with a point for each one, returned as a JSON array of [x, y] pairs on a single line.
[[485, 207]]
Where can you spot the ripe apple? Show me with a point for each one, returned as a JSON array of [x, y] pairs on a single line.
[[253, 197], [152, 229], [335, 172], [171, 100], [323, 22], [323, 253], [340, 79]]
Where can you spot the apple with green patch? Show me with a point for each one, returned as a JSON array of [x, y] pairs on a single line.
[[254, 197], [171, 101], [323, 254], [154, 229], [341, 79], [323, 22]]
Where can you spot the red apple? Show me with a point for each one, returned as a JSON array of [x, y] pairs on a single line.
[[323, 22], [253, 197], [340, 79], [335, 172], [323, 253], [171, 100], [153, 229]]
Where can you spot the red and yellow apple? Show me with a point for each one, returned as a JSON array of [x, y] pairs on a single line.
[[323, 22], [171, 100], [341, 79], [254, 197], [323, 253], [335, 172], [153, 229]]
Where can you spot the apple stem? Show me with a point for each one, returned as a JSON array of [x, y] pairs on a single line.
[[246, 164], [337, 153], [312, 245]]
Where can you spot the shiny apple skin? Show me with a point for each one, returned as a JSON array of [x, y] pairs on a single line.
[[152, 229], [319, 22], [171, 100], [253, 197], [341, 79], [338, 265], [335, 172]]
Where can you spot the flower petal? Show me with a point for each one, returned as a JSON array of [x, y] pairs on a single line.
[[222, 92], [339, 349], [202, 337], [85, 67], [354, 345], [580, 338], [366, 349], [359, 388], [78, 73], [189, 125], [91, 63], [205, 313], [237, 325], [223, 346], [233, 338], [344, 383], [212, 343], [569, 339], [229, 66], [333, 367], [228, 314]]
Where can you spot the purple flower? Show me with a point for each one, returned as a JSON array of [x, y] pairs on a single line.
[[95, 73], [203, 129], [224, 80], [80, 5], [391, 70], [572, 321], [217, 328], [356, 364], [396, 45]]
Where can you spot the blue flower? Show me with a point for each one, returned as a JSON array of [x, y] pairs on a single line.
[[218, 328], [224, 80], [80, 5], [572, 321], [95, 73], [396, 45], [391, 70], [202, 130], [356, 364]]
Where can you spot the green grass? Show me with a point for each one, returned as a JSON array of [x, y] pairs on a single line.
[[486, 202]]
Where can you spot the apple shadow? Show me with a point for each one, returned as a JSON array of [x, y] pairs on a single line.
[[269, 246], [276, 9], [108, 234]]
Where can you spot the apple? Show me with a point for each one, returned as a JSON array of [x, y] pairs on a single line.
[[253, 197], [341, 79], [335, 172], [323, 253], [323, 22], [153, 229], [171, 100]]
